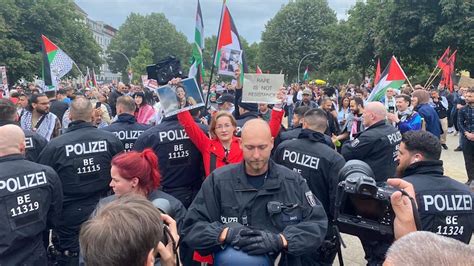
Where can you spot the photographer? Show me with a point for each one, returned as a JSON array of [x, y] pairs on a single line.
[[444, 204], [128, 231]]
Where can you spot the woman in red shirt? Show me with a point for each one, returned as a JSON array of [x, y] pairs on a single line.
[[223, 147]]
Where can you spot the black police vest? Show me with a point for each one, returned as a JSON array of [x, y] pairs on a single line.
[[180, 162]]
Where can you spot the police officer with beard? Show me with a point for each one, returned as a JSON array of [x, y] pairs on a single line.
[[81, 157], [30, 201], [179, 161], [312, 157], [258, 206], [378, 146], [34, 143], [126, 127], [444, 204]]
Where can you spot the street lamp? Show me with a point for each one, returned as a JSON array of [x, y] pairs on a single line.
[[299, 65], [129, 63]]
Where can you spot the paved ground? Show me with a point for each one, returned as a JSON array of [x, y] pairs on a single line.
[[453, 167]]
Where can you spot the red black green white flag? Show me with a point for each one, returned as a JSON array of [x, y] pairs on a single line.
[[228, 37], [393, 77], [56, 63]]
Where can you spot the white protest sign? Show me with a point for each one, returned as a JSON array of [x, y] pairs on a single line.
[[262, 88]]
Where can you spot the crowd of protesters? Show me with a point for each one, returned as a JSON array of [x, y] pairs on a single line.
[[162, 153]]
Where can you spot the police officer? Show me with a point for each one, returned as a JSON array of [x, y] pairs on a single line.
[[294, 131], [81, 156], [126, 127], [257, 205], [377, 146], [34, 143], [444, 204], [319, 164], [30, 201], [179, 161]]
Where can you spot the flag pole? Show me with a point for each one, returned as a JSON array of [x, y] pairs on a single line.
[[79, 70], [214, 59], [409, 83], [434, 77], [428, 81]]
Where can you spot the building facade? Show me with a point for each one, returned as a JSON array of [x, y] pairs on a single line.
[[103, 34]]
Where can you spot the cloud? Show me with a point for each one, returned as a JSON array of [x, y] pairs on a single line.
[[250, 16]]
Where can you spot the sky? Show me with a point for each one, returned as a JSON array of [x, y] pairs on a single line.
[[250, 16]]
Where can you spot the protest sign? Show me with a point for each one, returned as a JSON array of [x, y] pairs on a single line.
[[230, 60], [181, 97], [4, 85], [262, 88], [144, 79]]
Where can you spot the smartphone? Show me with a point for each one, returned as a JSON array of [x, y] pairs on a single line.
[[98, 104], [391, 109]]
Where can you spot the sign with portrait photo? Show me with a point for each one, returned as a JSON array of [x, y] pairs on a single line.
[[262, 88], [229, 61], [180, 97]]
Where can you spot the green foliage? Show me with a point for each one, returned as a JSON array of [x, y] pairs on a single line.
[[162, 36], [143, 58], [299, 28], [416, 32], [23, 21]]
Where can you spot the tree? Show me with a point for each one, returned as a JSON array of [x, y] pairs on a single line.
[[162, 36], [299, 28], [20, 38], [143, 58]]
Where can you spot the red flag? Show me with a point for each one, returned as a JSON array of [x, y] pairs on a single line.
[[259, 71], [377, 73], [450, 71], [443, 61]]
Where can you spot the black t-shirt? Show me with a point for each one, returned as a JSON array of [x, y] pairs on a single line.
[[256, 181]]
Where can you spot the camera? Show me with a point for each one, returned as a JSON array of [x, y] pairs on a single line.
[[165, 70], [362, 207]]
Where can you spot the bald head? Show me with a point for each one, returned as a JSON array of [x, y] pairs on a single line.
[[12, 140], [256, 143], [374, 112], [81, 109], [256, 127]]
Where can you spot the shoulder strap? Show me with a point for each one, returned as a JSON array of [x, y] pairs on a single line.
[[39, 122], [212, 166]]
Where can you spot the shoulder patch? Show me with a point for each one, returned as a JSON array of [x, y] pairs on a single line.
[[355, 142], [310, 198]]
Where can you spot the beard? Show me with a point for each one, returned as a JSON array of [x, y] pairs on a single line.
[[43, 112]]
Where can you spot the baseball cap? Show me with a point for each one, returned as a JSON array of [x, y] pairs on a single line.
[[225, 98], [307, 91]]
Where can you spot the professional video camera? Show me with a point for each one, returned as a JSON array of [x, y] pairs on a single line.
[[165, 70], [362, 208]]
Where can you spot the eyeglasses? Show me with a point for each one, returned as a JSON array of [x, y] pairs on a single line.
[[226, 126]]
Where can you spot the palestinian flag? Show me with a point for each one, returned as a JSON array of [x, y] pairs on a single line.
[[392, 77], [56, 63], [228, 38], [306, 74], [196, 69]]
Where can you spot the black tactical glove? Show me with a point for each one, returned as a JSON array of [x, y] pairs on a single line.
[[233, 233], [255, 242]]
